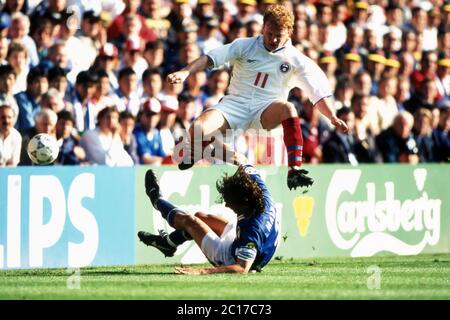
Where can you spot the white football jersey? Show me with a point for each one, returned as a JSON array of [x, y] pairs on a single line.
[[263, 75]]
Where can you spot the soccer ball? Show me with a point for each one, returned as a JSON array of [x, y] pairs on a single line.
[[43, 149]]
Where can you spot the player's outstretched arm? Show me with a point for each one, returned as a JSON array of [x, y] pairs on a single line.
[[240, 267], [197, 65], [325, 109]]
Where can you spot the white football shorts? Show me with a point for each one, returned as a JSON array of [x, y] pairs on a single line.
[[242, 113], [218, 249]]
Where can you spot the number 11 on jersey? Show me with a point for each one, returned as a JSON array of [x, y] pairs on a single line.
[[258, 77]]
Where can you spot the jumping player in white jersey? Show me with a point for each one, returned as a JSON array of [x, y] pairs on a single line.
[[265, 69]]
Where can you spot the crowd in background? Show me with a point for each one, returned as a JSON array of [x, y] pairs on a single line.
[[92, 73]]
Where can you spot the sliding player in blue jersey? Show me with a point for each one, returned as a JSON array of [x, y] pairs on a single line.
[[231, 246]]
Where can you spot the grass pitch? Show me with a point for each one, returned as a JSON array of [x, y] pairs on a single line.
[[417, 277]]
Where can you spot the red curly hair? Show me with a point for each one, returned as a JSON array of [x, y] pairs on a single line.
[[280, 17]]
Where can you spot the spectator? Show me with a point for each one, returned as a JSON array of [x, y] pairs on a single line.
[[392, 40], [168, 114], [422, 134], [154, 54], [119, 25], [217, 84], [394, 14], [337, 33], [149, 142], [238, 30], [29, 100], [209, 34], [7, 81], [424, 97], [340, 147], [53, 100], [5, 24], [392, 65], [387, 106], [195, 87], [4, 47], [253, 27], [127, 122], [396, 143], [42, 34], [126, 96], [364, 124], [403, 92], [103, 145], [315, 131], [13, 6], [409, 42], [343, 92], [328, 63], [360, 13], [443, 76], [444, 40], [428, 66], [79, 58], [107, 60], [50, 8], [152, 83], [407, 65], [44, 122], [132, 56], [247, 11], [441, 136], [92, 35], [10, 138], [70, 152], [365, 148], [355, 39], [57, 79], [153, 12], [84, 109], [375, 66], [185, 116], [19, 30], [352, 64], [102, 97], [17, 58], [57, 57]]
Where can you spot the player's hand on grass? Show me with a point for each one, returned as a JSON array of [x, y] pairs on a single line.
[[188, 270], [178, 77], [338, 123]]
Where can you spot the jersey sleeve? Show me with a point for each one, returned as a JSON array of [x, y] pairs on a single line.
[[311, 79], [249, 244], [226, 53]]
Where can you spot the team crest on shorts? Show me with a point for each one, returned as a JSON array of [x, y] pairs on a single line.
[[285, 67]]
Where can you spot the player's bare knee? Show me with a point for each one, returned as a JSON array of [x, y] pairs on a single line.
[[191, 221]]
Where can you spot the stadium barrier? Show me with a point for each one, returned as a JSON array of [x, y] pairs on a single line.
[[89, 216]]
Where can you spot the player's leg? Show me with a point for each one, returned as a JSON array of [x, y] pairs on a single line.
[[216, 223], [285, 113], [210, 123], [188, 227], [178, 237]]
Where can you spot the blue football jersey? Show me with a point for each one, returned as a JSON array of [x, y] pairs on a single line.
[[257, 236]]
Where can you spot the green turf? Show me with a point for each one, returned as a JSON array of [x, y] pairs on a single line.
[[418, 277]]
